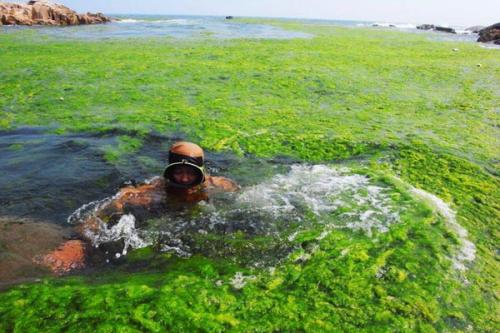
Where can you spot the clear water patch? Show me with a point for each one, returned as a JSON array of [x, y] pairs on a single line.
[[47, 176]]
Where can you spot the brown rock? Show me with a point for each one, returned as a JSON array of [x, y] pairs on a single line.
[[45, 13]]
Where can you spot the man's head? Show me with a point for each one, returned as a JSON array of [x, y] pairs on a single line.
[[185, 165]]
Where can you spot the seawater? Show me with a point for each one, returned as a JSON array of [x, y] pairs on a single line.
[[48, 176], [180, 27], [306, 197]]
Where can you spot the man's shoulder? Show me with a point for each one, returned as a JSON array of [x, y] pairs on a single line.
[[152, 185], [222, 183]]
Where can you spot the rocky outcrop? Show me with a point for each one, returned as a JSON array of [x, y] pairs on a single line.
[[426, 27], [445, 29], [436, 28], [490, 34], [45, 13]]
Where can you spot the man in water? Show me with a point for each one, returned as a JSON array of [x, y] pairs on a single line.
[[184, 181]]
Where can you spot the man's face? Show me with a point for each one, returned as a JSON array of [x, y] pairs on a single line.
[[184, 175]]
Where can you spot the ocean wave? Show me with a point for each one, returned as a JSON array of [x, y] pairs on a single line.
[[127, 21], [167, 21], [463, 32], [394, 25]]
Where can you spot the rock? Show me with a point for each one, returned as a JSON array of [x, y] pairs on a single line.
[[475, 29], [229, 17], [426, 27], [445, 29], [45, 13], [490, 34], [436, 28]]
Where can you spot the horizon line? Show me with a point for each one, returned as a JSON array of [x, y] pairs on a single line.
[[298, 18]]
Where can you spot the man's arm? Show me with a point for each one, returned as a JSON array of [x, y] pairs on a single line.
[[71, 254]]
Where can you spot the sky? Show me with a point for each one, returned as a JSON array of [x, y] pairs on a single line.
[[451, 12]]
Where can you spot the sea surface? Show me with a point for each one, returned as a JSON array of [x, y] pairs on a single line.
[[182, 27]]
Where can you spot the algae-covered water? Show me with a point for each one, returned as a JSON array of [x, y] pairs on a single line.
[[367, 160]]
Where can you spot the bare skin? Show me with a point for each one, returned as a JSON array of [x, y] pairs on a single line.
[[67, 257], [71, 255]]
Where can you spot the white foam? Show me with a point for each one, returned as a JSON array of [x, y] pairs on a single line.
[[176, 21], [128, 21], [322, 189], [467, 251], [167, 21], [395, 25]]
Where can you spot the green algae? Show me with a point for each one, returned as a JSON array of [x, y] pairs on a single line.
[[401, 280], [336, 287], [126, 145], [254, 96], [397, 102]]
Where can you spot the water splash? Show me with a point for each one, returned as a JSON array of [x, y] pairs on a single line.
[[88, 210], [124, 230], [323, 191], [308, 196]]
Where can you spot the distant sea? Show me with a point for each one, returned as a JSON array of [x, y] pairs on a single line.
[[133, 26]]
